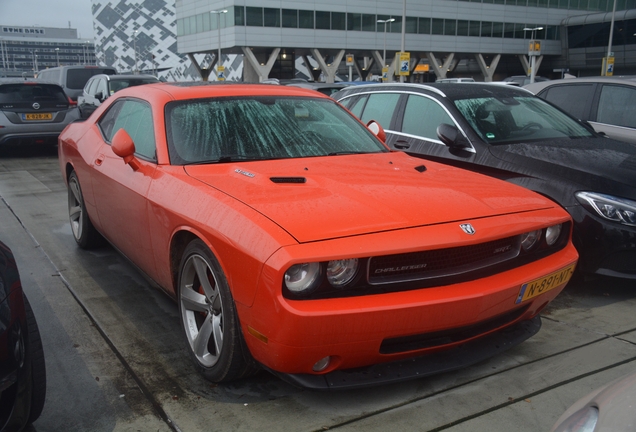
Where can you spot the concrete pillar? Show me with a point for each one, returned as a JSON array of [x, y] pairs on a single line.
[[487, 70], [525, 62], [253, 71], [328, 70], [315, 74], [204, 72], [441, 70], [377, 55]]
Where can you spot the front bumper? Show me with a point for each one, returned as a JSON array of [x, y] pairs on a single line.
[[605, 247], [445, 361]]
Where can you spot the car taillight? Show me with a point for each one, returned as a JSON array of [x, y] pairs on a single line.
[[71, 101]]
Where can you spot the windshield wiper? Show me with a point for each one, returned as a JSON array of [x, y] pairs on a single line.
[[346, 153]]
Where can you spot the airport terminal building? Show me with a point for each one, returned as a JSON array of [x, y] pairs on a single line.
[[483, 39]]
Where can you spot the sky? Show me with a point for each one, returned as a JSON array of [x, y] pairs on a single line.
[[49, 13]]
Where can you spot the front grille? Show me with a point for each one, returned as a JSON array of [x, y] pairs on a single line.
[[441, 262], [445, 337]]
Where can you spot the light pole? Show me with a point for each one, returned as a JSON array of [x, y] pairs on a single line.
[[57, 56], [384, 54], [218, 26], [532, 53], [135, 49]]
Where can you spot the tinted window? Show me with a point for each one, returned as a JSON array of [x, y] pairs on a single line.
[[422, 116], [76, 78], [223, 130], [27, 93], [358, 106], [120, 84], [617, 106], [380, 107], [573, 98]]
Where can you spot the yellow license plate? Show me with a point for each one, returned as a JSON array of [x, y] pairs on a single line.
[[545, 284], [38, 116]]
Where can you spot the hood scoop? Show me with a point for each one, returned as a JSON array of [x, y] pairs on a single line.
[[288, 180]]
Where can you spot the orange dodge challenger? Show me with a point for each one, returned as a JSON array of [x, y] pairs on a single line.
[[294, 240]]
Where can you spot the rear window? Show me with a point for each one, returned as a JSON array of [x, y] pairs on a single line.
[[16, 93], [76, 78]]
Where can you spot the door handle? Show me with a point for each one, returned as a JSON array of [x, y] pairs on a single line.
[[401, 145]]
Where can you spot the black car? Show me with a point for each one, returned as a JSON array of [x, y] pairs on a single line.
[[507, 132], [22, 369]]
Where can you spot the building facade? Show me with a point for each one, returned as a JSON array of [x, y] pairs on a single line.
[[24, 51], [484, 39]]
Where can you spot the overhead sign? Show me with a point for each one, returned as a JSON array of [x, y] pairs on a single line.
[[422, 68]]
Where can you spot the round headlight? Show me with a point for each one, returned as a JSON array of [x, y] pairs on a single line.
[[552, 234], [530, 239], [301, 278], [341, 272]]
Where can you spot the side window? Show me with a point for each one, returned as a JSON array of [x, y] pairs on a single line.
[[90, 87], [616, 106], [380, 107], [422, 116], [574, 99], [101, 87], [134, 117]]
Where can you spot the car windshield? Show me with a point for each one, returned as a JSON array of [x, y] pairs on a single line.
[[260, 128], [518, 118]]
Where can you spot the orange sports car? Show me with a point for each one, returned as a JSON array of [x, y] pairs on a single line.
[[294, 240]]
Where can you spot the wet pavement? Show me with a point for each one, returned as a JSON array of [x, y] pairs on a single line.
[[116, 360]]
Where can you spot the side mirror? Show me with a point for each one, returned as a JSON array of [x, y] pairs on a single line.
[[100, 96], [377, 130], [124, 147], [451, 137]]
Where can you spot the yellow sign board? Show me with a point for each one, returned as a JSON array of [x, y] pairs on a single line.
[[385, 74], [404, 64], [220, 73], [421, 68], [608, 66]]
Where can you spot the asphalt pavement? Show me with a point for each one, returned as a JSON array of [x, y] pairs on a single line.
[[116, 361]]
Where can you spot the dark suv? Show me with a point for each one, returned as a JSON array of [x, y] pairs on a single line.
[[33, 112]]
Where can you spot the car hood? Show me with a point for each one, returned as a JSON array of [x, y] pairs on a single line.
[[336, 196], [598, 164]]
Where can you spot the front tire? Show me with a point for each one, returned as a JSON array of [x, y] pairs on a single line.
[[38, 368], [83, 230], [208, 316]]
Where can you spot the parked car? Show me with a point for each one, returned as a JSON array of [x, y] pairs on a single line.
[[607, 103], [22, 368], [522, 80], [321, 87], [508, 133], [100, 87], [292, 238], [73, 78], [454, 80], [606, 409], [33, 112]]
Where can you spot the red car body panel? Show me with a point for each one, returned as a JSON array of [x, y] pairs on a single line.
[[351, 206]]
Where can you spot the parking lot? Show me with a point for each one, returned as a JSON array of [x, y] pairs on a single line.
[[116, 360]]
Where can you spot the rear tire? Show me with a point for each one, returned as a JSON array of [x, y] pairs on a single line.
[[83, 230], [208, 317]]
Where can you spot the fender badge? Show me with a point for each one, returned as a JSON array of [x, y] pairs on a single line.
[[245, 173], [467, 228]]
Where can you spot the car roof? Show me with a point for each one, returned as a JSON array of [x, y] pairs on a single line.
[[464, 90], [125, 77], [207, 89], [29, 81], [627, 79]]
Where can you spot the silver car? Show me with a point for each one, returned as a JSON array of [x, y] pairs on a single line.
[[33, 112], [607, 103], [100, 87]]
